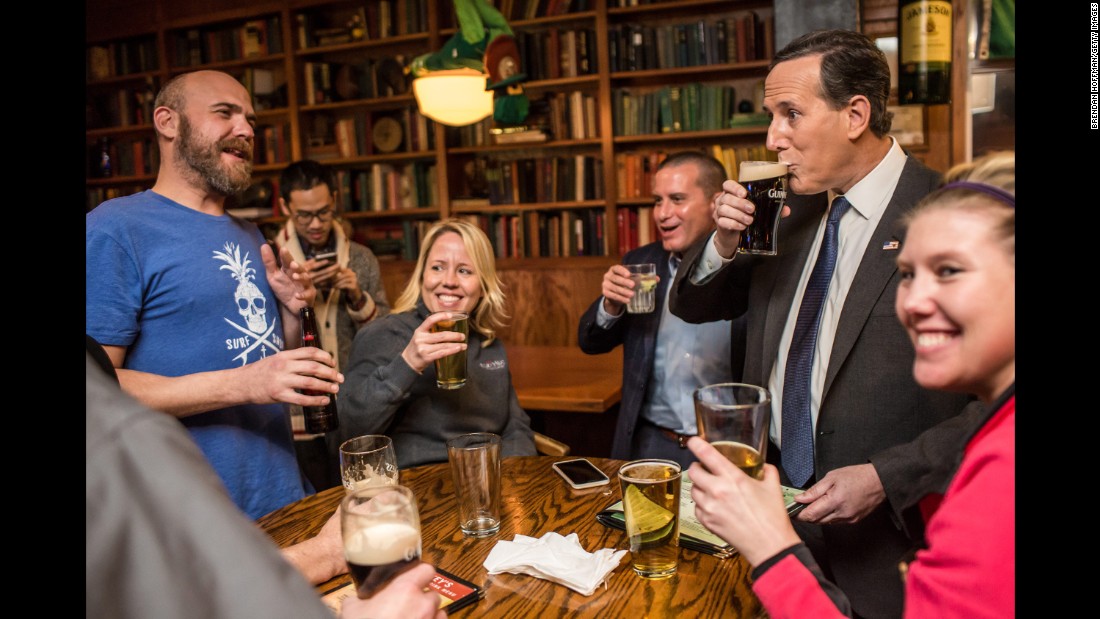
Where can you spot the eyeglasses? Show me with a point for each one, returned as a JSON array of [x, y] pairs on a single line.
[[305, 217]]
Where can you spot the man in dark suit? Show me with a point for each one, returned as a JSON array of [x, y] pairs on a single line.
[[862, 411], [664, 358]]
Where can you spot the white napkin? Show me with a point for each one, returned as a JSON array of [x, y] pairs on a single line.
[[555, 558]]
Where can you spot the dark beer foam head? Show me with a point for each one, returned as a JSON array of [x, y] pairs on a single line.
[[756, 170]]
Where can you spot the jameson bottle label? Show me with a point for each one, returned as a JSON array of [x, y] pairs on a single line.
[[924, 52], [925, 29]]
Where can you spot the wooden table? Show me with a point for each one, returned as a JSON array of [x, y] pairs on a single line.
[[563, 378], [535, 501]]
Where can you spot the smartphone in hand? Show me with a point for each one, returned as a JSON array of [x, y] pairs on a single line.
[[580, 473], [326, 257]]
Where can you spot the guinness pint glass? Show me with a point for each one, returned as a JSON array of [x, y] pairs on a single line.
[[766, 182]]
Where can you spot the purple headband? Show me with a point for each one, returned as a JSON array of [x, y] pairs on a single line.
[[989, 190]]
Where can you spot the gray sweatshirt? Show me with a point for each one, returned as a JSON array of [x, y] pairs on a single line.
[[381, 394]]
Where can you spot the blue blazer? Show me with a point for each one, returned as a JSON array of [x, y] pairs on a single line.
[[638, 335]]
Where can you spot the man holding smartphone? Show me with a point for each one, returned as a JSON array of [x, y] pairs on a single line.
[[347, 277]]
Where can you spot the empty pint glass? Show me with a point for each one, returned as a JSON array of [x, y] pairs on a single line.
[[766, 182]]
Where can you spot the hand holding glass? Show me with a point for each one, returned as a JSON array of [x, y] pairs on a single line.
[[368, 460], [381, 532], [734, 417]]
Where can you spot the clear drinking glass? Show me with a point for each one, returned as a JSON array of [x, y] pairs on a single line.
[[368, 460], [645, 287], [380, 526]]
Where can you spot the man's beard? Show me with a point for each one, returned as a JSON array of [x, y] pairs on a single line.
[[205, 160]]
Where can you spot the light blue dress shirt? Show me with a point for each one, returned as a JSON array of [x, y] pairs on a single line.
[[688, 356]]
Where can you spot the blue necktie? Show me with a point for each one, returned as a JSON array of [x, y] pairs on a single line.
[[797, 449]]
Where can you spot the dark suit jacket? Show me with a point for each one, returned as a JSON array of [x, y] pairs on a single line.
[[871, 408], [638, 335]]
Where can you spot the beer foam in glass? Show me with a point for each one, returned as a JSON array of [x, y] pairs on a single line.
[[766, 182]]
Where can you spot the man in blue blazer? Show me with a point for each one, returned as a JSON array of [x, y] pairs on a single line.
[[826, 92], [664, 358]]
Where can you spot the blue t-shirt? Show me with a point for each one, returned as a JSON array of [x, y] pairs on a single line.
[[187, 292]]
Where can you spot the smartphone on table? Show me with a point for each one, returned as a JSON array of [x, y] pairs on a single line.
[[580, 473]]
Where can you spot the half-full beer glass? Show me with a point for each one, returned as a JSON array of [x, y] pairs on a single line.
[[450, 371], [651, 504], [766, 182]]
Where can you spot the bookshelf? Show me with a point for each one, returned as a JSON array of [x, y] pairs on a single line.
[[613, 85], [556, 233]]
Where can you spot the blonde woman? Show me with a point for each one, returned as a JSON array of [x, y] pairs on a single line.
[[389, 383]]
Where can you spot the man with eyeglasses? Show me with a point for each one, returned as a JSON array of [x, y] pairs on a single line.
[[349, 287]]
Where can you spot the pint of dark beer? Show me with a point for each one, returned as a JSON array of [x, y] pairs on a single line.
[[766, 182], [380, 527]]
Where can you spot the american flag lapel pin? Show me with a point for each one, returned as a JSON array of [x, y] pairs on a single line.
[[890, 246]]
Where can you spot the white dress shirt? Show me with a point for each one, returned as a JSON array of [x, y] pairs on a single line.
[[869, 198]]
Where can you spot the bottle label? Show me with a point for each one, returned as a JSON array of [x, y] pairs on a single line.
[[925, 29]]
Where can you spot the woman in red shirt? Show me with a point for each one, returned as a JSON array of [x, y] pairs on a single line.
[[957, 300]]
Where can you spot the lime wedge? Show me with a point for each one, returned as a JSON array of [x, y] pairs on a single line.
[[643, 515], [647, 285]]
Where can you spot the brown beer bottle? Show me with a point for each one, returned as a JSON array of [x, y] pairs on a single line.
[[319, 419]]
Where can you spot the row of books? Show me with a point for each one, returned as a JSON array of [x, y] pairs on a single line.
[[250, 39], [123, 106], [543, 179], [271, 144], [122, 157], [387, 187], [636, 47], [634, 172], [554, 53], [363, 133], [673, 109], [393, 240], [122, 58], [370, 20], [636, 227], [535, 234], [327, 82]]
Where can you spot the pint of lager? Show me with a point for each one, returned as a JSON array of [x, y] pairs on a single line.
[[766, 182], [651, 504], [450, 371]]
